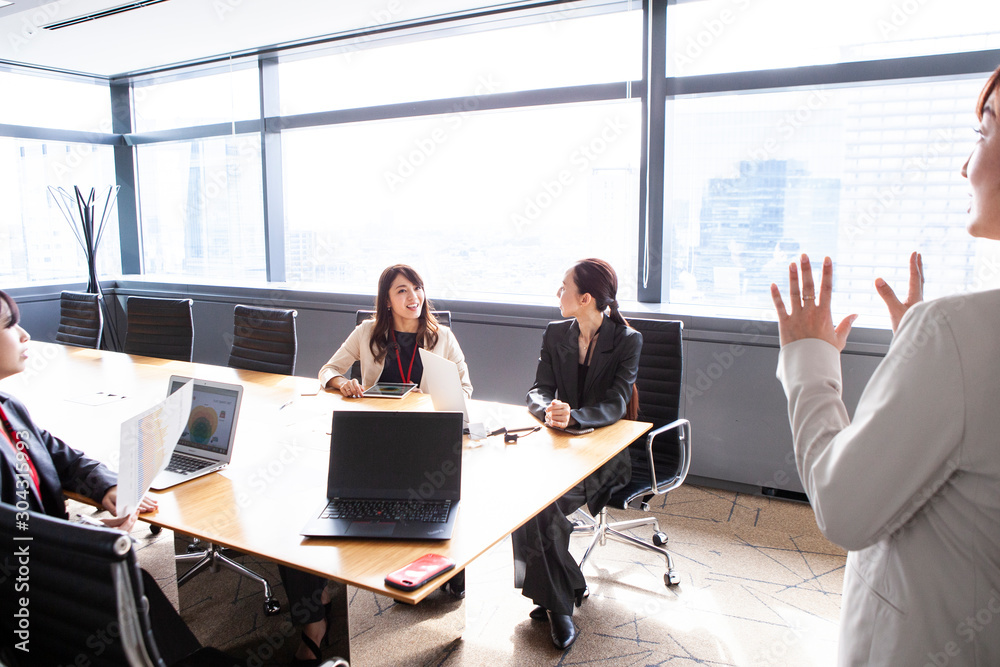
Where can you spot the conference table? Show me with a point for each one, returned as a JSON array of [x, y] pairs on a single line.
[[276, 480]]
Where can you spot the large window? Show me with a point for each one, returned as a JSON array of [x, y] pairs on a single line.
[[38, 100], [718, 36], [39, 245], [496, 203], [201, 211], [492, 149], [865, 174], [220, 95], [548, 54]]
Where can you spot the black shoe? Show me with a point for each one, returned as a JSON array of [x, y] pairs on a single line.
[[562, 629], [582, 596], [539, 613]]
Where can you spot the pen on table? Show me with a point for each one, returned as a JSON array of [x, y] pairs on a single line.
[[285, 405]]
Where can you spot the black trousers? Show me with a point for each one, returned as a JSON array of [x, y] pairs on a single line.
[[173, 637], [544, 569], [304, 593]]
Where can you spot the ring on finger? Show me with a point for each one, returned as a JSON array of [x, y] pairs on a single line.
[[809, 297]]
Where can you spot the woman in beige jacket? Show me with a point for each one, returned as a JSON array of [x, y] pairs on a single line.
[[911, 484], [386, 345]]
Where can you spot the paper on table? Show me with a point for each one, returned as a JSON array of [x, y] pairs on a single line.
[[100, 398], [148, 440]]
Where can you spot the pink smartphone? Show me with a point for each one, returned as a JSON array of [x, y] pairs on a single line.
[[419, 572]]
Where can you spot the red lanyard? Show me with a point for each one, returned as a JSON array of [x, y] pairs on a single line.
[[409, 372], [12, 437]]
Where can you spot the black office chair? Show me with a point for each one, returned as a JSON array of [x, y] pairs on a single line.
[[80, 320], [442, 316], [264, 339], [210, 556], [660, 460], [86, 599], [161, 328]]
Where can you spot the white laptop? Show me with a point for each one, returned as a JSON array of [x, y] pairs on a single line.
[[206, 445], [443, 382]]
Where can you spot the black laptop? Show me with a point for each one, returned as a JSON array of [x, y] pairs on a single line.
[[392, 475]]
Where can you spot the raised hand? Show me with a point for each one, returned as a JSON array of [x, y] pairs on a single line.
[[915, 294], [807, 318]]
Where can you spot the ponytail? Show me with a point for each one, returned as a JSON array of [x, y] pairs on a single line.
[[597, 278]]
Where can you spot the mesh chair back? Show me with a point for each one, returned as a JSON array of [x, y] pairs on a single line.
[[80, 320], [85, 595], [161, 328], [661, 370], [442, 316], [264, 339]]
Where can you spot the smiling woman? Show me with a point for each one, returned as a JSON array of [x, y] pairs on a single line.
[[909, 484], [386, 345], [983, 166]]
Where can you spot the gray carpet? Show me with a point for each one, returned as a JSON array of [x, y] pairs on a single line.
[[759, 586]]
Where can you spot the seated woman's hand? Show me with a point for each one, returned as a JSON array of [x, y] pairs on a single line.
[[350, 388], [110, 502], [557, 414], [809, 319]]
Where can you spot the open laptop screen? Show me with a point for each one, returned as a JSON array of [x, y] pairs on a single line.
[[395, 455], [213, 417]]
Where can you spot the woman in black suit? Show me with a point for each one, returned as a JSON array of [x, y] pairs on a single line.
[[35, 466], [585, 379]]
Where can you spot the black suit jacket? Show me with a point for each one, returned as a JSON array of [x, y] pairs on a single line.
[[58, 465], [606, 392]]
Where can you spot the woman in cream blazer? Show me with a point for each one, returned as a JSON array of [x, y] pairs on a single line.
[[386, 345], [910, 485], [357, 347]]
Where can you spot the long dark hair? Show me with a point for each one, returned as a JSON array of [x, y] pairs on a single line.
[[427, 336], [596, 278], [15, 314]]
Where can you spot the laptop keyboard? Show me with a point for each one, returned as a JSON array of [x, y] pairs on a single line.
[[184, 465], [426, 511]]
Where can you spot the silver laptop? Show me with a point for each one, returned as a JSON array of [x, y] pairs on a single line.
[[443, 382], [206, 445]]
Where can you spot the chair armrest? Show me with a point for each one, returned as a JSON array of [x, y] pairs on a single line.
[[684, 440]]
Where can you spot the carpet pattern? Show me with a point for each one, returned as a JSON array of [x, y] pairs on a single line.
[[759, 586]]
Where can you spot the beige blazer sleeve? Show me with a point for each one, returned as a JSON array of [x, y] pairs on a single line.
[[867, 477], [355, 348]]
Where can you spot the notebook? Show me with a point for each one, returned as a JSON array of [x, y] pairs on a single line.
[[206, 445], [382, 461]]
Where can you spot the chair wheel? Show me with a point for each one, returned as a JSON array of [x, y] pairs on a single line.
[[271, 607], [671, 579], [155, 530], [659, 539]]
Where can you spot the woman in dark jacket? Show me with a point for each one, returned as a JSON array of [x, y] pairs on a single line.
[[585, 379], [36, 466]]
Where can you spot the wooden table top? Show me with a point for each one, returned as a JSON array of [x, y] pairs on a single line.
[[276, 480]]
